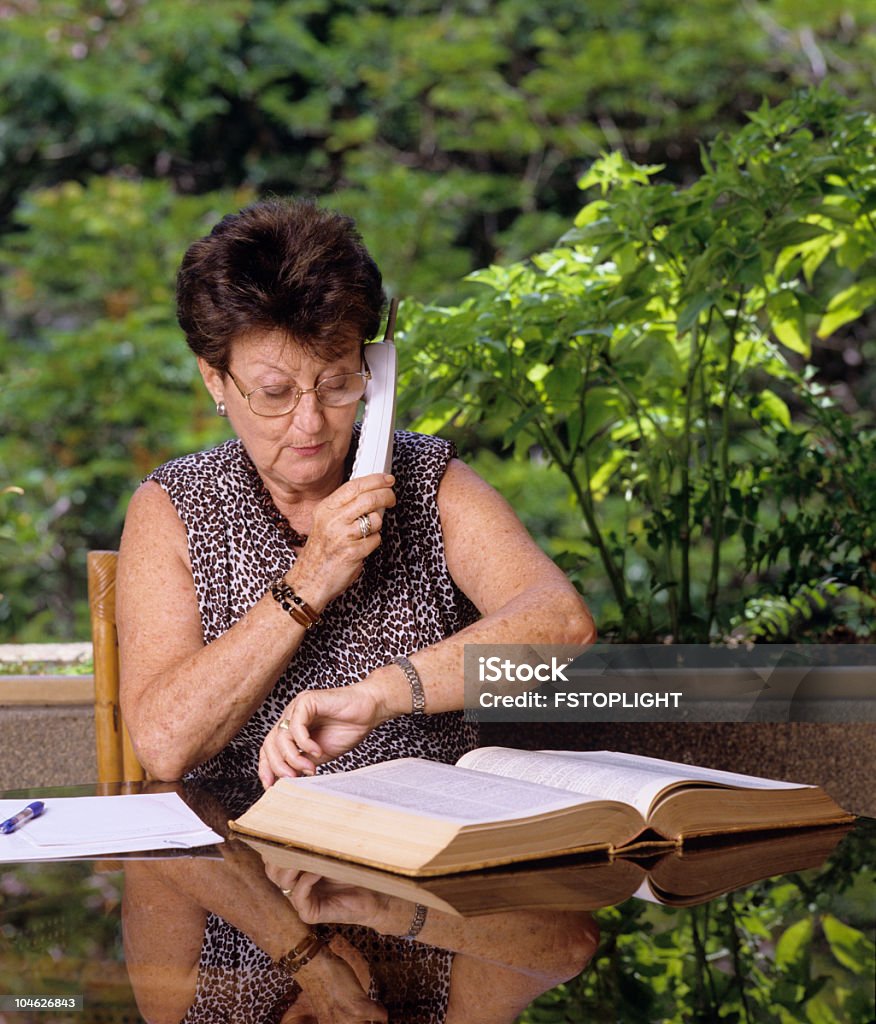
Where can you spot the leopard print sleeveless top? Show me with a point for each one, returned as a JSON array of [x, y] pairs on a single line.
[[403, 601]]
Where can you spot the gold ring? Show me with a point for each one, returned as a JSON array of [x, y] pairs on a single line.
[[365, 527], [283, 724], [285, 892]]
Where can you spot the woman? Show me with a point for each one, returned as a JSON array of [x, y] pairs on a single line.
[[230, 556], [277, 618]]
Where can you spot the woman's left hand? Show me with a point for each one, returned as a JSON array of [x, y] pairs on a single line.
[[316, 727]]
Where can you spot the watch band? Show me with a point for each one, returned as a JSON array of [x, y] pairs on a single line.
[[417, 922], [418, 697]]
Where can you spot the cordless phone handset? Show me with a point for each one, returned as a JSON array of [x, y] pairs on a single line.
[[378, 422]]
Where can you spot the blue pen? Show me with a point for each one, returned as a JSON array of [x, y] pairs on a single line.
[[33, 810]]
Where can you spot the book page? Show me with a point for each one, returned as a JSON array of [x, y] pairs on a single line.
[[645, 892], [604, 774], [439, 790], [675, 771], [553, 769]]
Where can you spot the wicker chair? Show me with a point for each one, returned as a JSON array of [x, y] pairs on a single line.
[[116, 760]]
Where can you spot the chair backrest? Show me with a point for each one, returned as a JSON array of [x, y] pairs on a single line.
[[116, 760]]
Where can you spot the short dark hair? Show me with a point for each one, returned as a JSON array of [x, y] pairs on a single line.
[[279, 265]]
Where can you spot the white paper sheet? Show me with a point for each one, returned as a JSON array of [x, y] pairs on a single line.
[[87, 826]]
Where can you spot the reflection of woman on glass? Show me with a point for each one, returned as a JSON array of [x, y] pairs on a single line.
[[205, 941], [267, 602], [501, 962], [453, 971]]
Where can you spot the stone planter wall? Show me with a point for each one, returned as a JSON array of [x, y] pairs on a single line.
[[46, 719]]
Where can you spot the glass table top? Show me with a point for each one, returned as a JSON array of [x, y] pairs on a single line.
[[779, 928]]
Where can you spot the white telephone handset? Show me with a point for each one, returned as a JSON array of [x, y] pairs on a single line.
[[374, 454]]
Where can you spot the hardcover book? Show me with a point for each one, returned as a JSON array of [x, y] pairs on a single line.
[[497, 805]]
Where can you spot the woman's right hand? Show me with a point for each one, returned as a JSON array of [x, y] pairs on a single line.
[[334, 991], [335, 552]]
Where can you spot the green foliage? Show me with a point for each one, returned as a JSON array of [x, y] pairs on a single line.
[[99, 386], [454, 134], [647, 359], [822, 539], [480, 114], [777, 618], [650, 358]]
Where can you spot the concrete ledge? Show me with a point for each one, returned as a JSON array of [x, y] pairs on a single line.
[[47, 737], [45, 654], [46, 690]]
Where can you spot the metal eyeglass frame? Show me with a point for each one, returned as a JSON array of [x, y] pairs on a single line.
[[365, 374]]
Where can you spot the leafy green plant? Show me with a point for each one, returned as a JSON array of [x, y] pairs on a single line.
[[798, 951], [777, 618], [817, 553], [651, 356], [651, 359]]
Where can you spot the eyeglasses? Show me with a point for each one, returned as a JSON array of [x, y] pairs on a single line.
[[281, 399]]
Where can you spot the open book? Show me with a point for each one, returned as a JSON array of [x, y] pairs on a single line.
[[498, 806], [681, 876]]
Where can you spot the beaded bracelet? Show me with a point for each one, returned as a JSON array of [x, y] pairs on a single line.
[[292, 603], [418, 697], [301, 955]]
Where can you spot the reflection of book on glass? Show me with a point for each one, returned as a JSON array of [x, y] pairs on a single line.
[[497, 806], [676, 877]]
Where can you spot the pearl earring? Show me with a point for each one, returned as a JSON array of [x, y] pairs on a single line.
[[220, 409]]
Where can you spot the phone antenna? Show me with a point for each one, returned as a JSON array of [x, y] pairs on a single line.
[[390, 321]]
